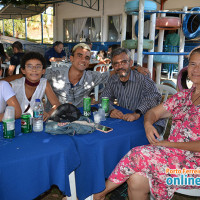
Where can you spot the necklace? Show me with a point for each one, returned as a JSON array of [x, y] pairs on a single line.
[[196, 99], [31, 84]]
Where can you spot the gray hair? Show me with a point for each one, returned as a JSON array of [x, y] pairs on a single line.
[[195, 50], [120, 50]]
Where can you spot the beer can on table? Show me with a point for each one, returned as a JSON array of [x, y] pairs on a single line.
[[26, 123], [9, 129], [105, 105], [86, 106]]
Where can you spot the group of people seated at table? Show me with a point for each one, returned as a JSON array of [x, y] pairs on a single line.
[[143, 167]]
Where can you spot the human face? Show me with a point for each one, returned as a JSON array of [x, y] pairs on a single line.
[[15, 50], [122, 65], [33, 70], [81, 59], [59, 48], [194, 69]]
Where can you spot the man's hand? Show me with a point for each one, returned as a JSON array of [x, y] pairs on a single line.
[[46, 116], [116, 114], [151, 132], [143, 70], [131, 117]]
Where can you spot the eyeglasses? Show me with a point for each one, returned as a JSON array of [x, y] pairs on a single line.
[[123, 63], [36, 67]]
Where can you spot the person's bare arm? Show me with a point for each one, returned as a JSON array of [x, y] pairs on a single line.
[[53, 100], [189, 146], [150, 118], [12, 78], [53, 59], [13, 102], [141, 70], [11, 69]]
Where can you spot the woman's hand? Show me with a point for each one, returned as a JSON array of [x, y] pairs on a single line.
[[151, 132], [164, 143]]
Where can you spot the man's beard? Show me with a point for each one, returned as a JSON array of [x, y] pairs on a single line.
[[124, 74]]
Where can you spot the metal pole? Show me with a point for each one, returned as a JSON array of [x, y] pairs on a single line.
[[151, 37], [41, 28], [160, 49], [13, 28], [3, 27], [140, 33], [26, 28], [124, 19], [182, 44], [134, 20]]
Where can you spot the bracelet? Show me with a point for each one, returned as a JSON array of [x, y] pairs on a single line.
[[138, 112]]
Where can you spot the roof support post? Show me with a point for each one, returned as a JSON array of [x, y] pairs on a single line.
[[42, 28]]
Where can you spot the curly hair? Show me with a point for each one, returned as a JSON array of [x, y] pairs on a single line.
[[33, 55]]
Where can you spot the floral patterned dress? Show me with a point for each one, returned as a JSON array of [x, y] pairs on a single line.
[[152, 161]]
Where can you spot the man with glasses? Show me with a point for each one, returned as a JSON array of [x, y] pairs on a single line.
[[56, 53], [132, 90]]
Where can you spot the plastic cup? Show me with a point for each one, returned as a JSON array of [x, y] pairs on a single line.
[[9, 113], [102, 114], [97, 117]]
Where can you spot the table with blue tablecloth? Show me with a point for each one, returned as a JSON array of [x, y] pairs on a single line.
[[100, 152], [30, 163]]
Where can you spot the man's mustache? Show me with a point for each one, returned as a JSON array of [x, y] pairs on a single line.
[[120, 69]]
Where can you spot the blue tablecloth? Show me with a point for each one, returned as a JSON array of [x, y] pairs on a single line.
[[100, 152], [30, 163]]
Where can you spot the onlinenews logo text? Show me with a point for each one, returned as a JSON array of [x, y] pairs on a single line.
[[182, 178]]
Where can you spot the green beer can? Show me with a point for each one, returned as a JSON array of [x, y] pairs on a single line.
[[9, 129], [26, 123], [105, 105], [86, 106]]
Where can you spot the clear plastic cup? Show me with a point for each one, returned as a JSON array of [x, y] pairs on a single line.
[[102, 114], [9, 113], [97, 117]]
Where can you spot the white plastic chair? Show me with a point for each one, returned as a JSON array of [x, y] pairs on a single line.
[[4, 67], [166, 91], [17, 69], [102, 68], [72, 184]]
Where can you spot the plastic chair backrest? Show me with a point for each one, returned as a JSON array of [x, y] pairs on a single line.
[[101, 68], [17, 69], [166, 90]]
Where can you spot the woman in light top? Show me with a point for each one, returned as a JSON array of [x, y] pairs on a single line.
[[157, 167], [32, 86], [7, 97]]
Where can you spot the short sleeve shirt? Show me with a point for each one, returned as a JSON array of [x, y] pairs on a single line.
[[6, 92]]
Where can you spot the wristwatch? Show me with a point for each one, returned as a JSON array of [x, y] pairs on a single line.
[[138, 112]]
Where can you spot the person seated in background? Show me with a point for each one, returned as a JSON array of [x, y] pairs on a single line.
[[16, 58], [8, 98], [133, 90], [56, 53], [3, 55], [102, 57], [32, 86], [147, 168], [112, 48]]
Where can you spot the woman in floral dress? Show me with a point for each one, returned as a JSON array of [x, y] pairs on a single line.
[[155, 167]]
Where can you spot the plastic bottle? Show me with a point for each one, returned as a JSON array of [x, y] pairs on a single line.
[[38, 116]]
